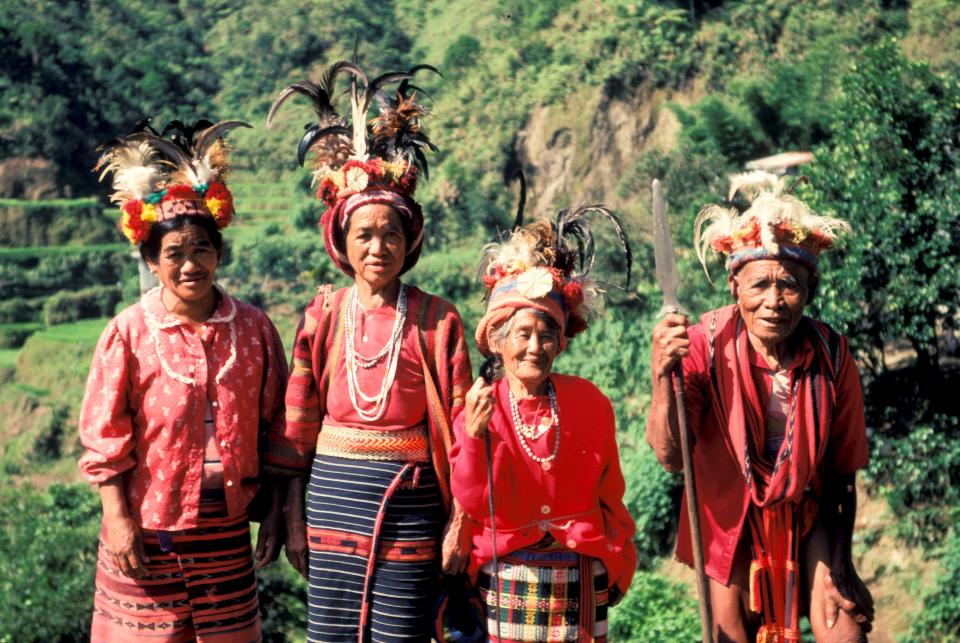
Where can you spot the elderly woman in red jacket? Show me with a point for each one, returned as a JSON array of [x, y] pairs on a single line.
[[560, 527]]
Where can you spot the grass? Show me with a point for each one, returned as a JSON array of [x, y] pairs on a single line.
[[15, 255], [69, 203], [14, 326], [84, 332], [8, 357]]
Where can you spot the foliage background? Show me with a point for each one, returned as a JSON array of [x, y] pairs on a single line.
[[592, 100]]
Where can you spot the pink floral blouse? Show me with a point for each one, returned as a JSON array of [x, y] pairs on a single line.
[[143, 410]]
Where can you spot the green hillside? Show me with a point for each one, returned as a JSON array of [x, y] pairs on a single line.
[[592, 100]]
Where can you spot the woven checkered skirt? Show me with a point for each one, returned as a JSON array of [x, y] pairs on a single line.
[[546, 593], [200, 587], [356, 507]]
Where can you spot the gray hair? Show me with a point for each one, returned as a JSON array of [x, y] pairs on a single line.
[[499, 334]]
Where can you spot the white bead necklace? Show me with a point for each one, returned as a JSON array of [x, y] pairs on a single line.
[[391, 351], [534, 431]]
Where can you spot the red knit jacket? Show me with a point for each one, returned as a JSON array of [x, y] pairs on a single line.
[[579, 500]]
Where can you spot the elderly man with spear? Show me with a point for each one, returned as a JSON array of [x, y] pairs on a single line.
[[774, 409]]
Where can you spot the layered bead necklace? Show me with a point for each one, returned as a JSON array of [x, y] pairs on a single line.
[[533, 431], [355, 361]]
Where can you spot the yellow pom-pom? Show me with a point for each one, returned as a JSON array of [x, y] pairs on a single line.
[[149, 213], [215, 206]]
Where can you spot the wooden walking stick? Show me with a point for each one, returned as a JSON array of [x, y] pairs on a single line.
[[668, 280], [488, 373]]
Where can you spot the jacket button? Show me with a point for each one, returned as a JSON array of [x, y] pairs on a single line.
[[545, 509], [229, 483], [571, 543]]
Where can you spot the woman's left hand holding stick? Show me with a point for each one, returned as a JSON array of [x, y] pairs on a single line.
[[479, 408]]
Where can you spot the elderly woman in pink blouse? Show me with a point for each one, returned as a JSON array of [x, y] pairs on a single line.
[[182, 385]]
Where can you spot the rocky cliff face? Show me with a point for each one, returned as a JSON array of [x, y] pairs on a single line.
[[577, 152]]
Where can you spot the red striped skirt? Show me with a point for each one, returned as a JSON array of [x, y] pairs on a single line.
[[201, 586]]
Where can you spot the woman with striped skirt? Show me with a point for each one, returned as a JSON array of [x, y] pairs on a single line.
[[550, 559], [377, 369], [179, 388]]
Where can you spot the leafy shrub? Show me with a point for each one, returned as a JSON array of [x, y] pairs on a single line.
[[892, 169], [89, 303], [917, 474], [14, 335], [47, 270], [18, 309], [283, 602], [54, 222], [462, 53], [655, 609], [939, 619], [48, 551]]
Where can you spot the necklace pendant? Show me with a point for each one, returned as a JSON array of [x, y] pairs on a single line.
[[546, 466]]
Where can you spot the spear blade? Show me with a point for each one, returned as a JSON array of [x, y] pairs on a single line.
[[664, 257]]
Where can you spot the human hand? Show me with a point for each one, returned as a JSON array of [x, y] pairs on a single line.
[[670, 344], [124, 543], [296, 526], [479, 408], [269, 538], [844, 590]]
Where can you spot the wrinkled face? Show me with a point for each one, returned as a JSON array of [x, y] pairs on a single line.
[[529, 348], [187, 263], [771, 294], [376, 245]]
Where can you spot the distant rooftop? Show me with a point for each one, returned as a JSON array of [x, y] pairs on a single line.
[[784, 163]]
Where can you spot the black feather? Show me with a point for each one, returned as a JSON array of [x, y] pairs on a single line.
[[575, 239], [422, 164], [406, 85], [315, 132]]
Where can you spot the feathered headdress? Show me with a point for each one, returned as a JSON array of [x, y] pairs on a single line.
[[382, 158], [776, 225], [545, 265], [158, 176]]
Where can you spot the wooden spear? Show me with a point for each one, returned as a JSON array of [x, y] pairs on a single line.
[[668, 280]]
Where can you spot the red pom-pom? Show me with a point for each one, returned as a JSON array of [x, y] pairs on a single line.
[[184, 192], [139, 230], [753, 233], [723, 244], [575, 325], [222, 208], [328, 191], [819, 241], [572, 295]]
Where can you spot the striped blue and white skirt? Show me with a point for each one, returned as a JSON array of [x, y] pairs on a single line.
[[359, 507]]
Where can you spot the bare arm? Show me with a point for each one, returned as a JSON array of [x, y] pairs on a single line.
[[295, 518], [270, 536], [670, 344], [121, 535], [844, 588]]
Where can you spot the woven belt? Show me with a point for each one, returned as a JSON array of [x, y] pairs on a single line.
[[406, 445]]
